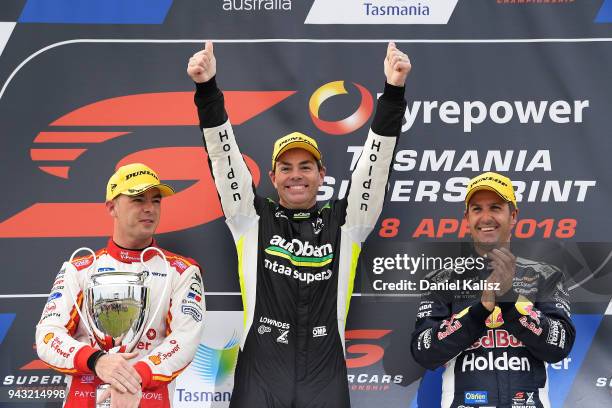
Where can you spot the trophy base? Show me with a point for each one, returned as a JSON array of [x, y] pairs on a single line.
[[99, 391]]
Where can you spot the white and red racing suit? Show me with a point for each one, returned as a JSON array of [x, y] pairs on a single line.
[[165, 350]]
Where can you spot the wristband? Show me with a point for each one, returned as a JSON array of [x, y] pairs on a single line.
[[93, 359]]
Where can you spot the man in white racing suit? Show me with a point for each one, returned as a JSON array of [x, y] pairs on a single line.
[[144, 377]]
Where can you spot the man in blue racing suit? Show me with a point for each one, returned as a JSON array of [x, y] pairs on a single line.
[[494, 340]]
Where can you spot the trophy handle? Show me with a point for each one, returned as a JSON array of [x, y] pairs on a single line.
[[152, 319], [73, 298]]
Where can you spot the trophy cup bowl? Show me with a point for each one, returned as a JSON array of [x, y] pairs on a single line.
[[116, 308]]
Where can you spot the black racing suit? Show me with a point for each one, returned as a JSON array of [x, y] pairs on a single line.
[[296, 267], [495, 359]]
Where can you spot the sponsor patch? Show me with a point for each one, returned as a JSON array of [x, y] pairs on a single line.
[[317, 226], [473, 362], [87, 379], [53, 296], [284, 337], [499, 338], [530, 326], [195, 296], [193, 312], [51, 306], [195, 287], [424, 341], [449, 327], [151, 334], [48, 337], [475, 397], [319, 331]]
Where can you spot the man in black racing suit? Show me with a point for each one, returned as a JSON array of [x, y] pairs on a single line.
[[494, 341], [296, 260]]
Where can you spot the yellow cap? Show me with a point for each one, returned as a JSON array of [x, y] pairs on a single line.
[[494, 182], [295, 140], [133, 179]]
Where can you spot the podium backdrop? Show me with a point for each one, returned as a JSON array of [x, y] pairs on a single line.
[[522, 87]]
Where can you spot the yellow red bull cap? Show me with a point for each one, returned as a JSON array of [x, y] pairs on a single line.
[[501, 185], [295, 140], [133, 179]]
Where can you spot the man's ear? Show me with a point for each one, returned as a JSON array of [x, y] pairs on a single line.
[[111, 208], [514, 218], [272, 176], [322, 171]]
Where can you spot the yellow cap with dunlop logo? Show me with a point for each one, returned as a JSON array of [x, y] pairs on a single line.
[[494, 182], [295, 140], [133, 179]]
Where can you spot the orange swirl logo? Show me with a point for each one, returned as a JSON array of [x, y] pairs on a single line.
[[349, 124]]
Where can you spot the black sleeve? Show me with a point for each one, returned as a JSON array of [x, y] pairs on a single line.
[[390, 111], [439, 335], [210, 103], [545, 327]]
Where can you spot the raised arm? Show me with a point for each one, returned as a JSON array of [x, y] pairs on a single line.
[[369, 179], [232, 177]]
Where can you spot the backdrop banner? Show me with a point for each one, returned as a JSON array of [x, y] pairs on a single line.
[[517, 87]]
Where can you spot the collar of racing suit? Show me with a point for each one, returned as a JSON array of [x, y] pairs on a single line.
[[126, 255], [298, 214]]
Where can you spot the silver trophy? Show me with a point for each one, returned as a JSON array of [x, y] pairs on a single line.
[[116, 307]]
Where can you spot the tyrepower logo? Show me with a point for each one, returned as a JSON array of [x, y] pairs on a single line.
[[364, 354], [349, 124], [381, 12]]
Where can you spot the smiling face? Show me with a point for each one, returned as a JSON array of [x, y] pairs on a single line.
[[490, 219], [297, 179], [135, 218]]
